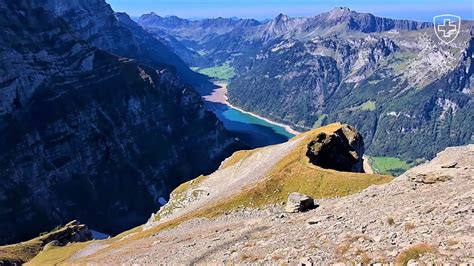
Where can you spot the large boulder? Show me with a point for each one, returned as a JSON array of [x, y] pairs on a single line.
[[299, 203], [342, 150]]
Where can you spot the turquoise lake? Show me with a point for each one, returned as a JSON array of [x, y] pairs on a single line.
[[249, 129]]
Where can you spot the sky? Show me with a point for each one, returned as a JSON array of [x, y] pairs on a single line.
[[423, 10]]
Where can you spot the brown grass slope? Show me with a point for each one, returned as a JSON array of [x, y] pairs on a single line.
[[294, 173]]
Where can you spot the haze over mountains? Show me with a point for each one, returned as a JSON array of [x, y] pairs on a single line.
[[392, 79]]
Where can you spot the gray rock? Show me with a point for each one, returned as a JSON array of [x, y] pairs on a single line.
[[430, 178], [299, 203], [319, 219], [449, 165]]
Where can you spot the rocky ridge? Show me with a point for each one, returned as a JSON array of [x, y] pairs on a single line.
[[424, 216], [248, 179]]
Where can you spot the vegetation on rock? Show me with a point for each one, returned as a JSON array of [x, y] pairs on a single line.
[[23, 252]]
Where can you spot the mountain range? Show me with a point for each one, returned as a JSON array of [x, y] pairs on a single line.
[[391, 79]]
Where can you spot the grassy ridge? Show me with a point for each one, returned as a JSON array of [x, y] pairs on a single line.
[[25, 251], [294, 173], [22, 252]]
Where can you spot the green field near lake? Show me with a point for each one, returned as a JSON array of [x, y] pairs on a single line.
[[222, 72], [389, 165]]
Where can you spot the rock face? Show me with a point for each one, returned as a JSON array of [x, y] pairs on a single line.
[[343, 150], [72, 232], [94, 21], [81, 127], [298, 202]]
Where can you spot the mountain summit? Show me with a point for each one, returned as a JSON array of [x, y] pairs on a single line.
[[339, 12], [363, 22]]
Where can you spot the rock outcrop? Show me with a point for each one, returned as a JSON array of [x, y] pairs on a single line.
[[72, 232], [18, 254], [298, 202], [342, 150], [81, 127]]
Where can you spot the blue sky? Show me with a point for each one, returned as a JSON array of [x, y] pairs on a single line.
[[261, 9]]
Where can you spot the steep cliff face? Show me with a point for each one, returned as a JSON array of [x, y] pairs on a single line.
[[311, 72], [86, 134], [95, 22]]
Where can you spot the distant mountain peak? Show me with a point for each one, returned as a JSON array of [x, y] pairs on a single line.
[[151, 14], [340, 11], [281, 18], [364, 22], [280, 21]]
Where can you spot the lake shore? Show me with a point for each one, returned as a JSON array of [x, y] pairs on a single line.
[[219, 95]]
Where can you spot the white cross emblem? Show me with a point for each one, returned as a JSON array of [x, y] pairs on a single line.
[[447, 27]]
